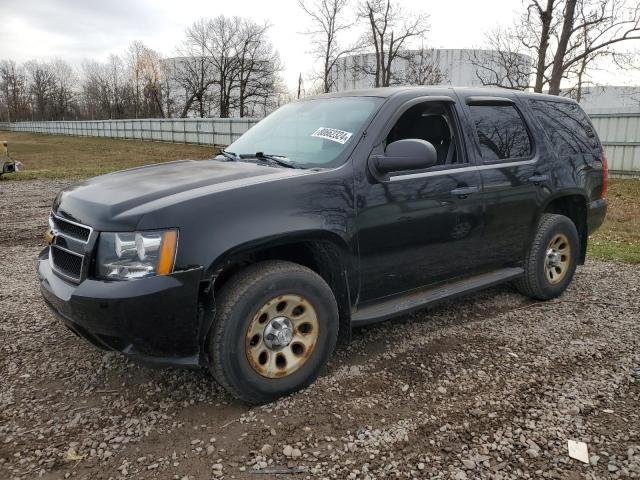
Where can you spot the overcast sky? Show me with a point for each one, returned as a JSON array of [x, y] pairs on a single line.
[[80, 29]]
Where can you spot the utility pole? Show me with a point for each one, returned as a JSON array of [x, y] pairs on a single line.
[[8, 109]]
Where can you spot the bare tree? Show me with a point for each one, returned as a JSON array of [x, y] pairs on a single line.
[[152, 81], [193, 70], [64, 81], [390, 32], [118, 86], [167, 88], [13, 88], [422, 69], [502, 65], [106, 89], [541, 34], [41, 85], [227, 67], [135, 59], [598, 26], [223, 47], [258, 66], [91, 90], [567, 38], [328, 21], [590, 29]]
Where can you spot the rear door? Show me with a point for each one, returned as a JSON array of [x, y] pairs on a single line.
[[507, 161]]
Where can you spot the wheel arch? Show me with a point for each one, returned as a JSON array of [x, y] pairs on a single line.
[[573, 205], [326, 253]]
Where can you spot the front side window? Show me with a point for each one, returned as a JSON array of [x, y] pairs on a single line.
[[501, 132], [433, 122], [311, 133], [567, 126]]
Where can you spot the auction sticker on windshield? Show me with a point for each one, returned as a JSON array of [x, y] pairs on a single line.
[[332, 134]]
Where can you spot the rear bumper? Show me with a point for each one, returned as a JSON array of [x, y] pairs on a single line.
[[595, 214], [153, 320]]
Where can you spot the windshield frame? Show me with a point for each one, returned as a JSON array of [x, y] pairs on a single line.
[[344, 155]]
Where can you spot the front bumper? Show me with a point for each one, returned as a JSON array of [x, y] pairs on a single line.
[[154, 320], [595, 214]]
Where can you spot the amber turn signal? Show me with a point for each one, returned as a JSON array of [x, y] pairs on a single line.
[[167, 252]]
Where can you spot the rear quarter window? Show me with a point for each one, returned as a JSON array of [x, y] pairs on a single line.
[[501, 132], [567, 126]]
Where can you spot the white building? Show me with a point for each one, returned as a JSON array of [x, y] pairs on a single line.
[[456, 65], [609, 99]]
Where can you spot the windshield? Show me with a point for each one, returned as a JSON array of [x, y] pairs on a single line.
[[311, 133]]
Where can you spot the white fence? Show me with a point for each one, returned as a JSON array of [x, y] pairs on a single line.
[[200, 131], [619, 132], [620, 136]]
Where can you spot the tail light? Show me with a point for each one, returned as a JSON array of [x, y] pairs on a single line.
[[605, 174]]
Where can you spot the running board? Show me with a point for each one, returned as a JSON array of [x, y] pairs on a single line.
[[428, 296]]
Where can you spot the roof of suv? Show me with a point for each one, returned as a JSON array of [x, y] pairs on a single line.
[[385, 92]]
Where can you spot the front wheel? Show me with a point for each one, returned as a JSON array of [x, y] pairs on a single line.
[[275, 327], [551, 260]]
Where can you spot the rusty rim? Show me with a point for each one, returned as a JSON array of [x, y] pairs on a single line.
[[282, 336], [558, 259]]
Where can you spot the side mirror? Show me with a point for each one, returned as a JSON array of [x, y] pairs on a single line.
[[402, 155]]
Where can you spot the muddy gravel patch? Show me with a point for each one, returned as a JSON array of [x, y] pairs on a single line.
[[488, 386]]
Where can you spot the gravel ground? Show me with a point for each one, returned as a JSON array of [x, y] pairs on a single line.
[[491, 386]]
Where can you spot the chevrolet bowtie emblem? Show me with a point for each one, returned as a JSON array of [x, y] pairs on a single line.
[[49, 236]]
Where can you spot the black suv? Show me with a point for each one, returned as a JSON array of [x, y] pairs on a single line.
[[333, 212]]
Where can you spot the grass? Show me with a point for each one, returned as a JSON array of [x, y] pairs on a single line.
[[619, 237], [54, 156], [50, 156]]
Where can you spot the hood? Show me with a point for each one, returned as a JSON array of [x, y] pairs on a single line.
[[117, 201]]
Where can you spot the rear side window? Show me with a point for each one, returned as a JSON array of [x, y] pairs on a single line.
[[567, 126], [501, 132]]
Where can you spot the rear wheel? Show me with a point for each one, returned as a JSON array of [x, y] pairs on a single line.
[[276, 325], [551, 260]]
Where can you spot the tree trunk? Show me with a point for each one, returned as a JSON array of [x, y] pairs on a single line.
[[242, 99], [583, 68], [327, 72], [387, 71], [375, 45], [546, 17], [558, 59]]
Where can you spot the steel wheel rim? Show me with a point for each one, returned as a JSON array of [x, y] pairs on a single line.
[[557, 259], [271, 349]]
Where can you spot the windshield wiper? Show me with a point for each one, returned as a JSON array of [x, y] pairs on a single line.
[[279, 159], [230, 155]]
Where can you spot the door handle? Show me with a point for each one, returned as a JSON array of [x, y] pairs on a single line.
[[538, 179], [464, 192]]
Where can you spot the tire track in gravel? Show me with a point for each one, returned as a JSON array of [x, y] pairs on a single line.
[[403, 425], [24, 208], [395, 435]]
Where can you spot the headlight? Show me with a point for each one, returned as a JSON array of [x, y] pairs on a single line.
[[129, 255]]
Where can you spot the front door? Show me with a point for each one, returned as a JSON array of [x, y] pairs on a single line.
[[420, 228]]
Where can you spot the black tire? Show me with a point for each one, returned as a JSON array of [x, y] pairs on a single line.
[[236, 307], [536, 282]]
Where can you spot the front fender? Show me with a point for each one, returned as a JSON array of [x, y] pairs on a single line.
[[284, 239]]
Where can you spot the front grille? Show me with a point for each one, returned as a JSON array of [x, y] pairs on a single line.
[[66, 263], [70, 229], [66, 254]]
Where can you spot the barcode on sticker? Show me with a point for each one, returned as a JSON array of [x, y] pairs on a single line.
[[333, 134]]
